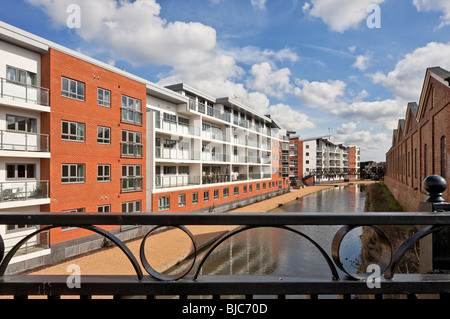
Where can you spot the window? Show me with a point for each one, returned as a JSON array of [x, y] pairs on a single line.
[[72, 89], [104, 209], [425, 172], [181, 200], [131, 110], [257, 187], [236, 190], [216, 194], [131, 207], [21, 76], [131, 177], [103, 97], [164, 203], [195, 198], [103, 135], [443, 158], [19, 171], [206, 196], [72, 173], [183, 170], [72, 131], [250, 188], [264, 186], [21, 123], [225, 192], [245, 189], [131, 144], [415, 162], [170, 170], [103, 173]]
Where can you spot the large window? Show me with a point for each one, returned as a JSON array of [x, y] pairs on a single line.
[[164, 203], [72, 173], [131, 177], [131, 207], [19, 171], [103, 97], [104, 209], [21, 123], [72, 131], [21, 76], [103, 135], [103, 173], [195, 198], [131, 110], [72, 89], [131, 144]]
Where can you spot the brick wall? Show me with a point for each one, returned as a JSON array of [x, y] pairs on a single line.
[[417, 151], [90, 194]]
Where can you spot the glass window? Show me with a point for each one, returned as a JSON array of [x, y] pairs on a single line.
[[72, 89], [72, 173], [131, 207], [236, 191], [225, 192], [181, 200], [206, 196], [21, 123], [131, 144], [72, 131], [216, 194], [103, 173], [103, 135], [131, 110], [19, 75], [104, 209], [194, 198], [164, 203], [20, 171], [103, 97], [131, 177]]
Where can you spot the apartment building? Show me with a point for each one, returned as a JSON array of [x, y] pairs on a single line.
[[210, 154], [79, 135], [320, 160]]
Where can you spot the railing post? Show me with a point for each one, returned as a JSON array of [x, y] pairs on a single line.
[[434, 255]]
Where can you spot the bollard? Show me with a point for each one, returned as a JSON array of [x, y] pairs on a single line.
[[435, 255]]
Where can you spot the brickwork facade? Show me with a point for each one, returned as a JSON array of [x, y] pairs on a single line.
[[421, 142]]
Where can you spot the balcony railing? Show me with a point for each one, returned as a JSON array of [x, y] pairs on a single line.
[[178, 128], [167, 181], [24, 92], [23, 141], [176, 154], [16, 191], [131, 149]]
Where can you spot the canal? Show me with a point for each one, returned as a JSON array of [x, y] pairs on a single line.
[[280, 252]]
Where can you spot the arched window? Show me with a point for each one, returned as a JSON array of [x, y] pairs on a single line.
[[443, 158]]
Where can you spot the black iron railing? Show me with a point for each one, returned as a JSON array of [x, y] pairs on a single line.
[[191, 283]]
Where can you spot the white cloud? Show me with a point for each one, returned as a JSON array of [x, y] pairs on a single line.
[[291, 119], [339, 15], [271, 82], [319, 94], [362, 61], [435, 5], [406, 80], [252, 55], [259, 4]]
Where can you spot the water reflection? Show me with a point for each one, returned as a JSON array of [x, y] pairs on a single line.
[[278, 251]]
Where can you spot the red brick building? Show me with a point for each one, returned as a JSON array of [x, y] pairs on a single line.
[[421, 142]]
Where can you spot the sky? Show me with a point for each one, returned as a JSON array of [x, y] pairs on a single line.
[[342, 67]]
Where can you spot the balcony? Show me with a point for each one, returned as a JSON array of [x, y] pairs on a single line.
[[23, 142], [22, 191], [129, 149], [169, 181], [131, 184], [168, 153], [177, 128], [24, 92]]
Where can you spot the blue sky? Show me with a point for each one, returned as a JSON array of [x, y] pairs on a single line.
[[316, 66]]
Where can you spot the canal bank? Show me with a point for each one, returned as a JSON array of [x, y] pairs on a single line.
[[169, 247]]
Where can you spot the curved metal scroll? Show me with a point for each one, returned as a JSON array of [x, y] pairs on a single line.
[[161, 276], [401, 251], [243, 228], [114, 239], [385, 259], [2, 248]]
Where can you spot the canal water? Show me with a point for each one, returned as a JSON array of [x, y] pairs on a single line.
[[280, 252]]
